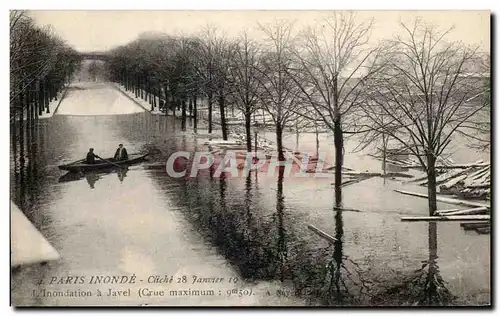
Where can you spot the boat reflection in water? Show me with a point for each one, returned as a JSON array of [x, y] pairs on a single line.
[[92, 176], [122, 173], [70, 176]]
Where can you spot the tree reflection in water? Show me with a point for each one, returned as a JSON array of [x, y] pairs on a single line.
[[425, 287], [267, 245], [340, 281], [281, 247]]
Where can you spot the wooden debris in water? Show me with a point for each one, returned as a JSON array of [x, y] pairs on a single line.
[[445, 200], [322, 234], [222, 142], [471, 181], [471, 211], [461, 218]]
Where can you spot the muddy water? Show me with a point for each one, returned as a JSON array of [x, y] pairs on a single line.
[[251, 231]]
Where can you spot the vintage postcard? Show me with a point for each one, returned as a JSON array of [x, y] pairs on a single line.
[[250, 158]]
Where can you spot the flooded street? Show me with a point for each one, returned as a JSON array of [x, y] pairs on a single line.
[[252, 232]]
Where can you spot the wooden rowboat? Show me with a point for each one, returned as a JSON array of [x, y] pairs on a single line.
[[80, 165]]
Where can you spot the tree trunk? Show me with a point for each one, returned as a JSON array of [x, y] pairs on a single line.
[[46, 96], [155, 95], [21, 137], [141, 87], [431, 182], [279, 142], [166, 103], [248, 118], [384, 155], [209, 113], [26, 106], [222, 116], [183, 122], [174, 105], [190, 107], [40, 99], [136, 86], [150, 97], [13, 130], [56, 91], [36, 101], [195, 110], [339, 146], [317, 141]]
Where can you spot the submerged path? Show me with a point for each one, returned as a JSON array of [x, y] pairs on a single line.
[[96, 98]]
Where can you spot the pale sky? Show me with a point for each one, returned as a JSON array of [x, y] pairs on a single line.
[[103, 30]]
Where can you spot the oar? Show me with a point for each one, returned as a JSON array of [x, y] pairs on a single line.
[[110, 162]]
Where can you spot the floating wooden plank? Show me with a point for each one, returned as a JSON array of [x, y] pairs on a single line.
[[447, 185], [27, 243], [465, 166], [472, 211], [445, 200], [444, 212], [424, 178], [222, 142], [322, 234], [396, 175], [479, 186], [366, 174], [461, 218]]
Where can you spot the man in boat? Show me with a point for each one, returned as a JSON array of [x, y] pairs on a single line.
[[91, 157], [121, 153]]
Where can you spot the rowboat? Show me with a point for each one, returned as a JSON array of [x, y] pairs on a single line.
[[80, 165]]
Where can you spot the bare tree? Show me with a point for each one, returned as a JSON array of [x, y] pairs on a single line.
[[333, 63], [427, 94], [204, 63], [245, 82], [280, 95], [224, 52]]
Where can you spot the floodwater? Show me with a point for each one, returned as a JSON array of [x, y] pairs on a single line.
[[244, 241]]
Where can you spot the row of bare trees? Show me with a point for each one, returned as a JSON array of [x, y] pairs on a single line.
[[40, 65], [416, 90]]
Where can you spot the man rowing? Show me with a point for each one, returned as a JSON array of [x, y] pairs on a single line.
[[91, 157]]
